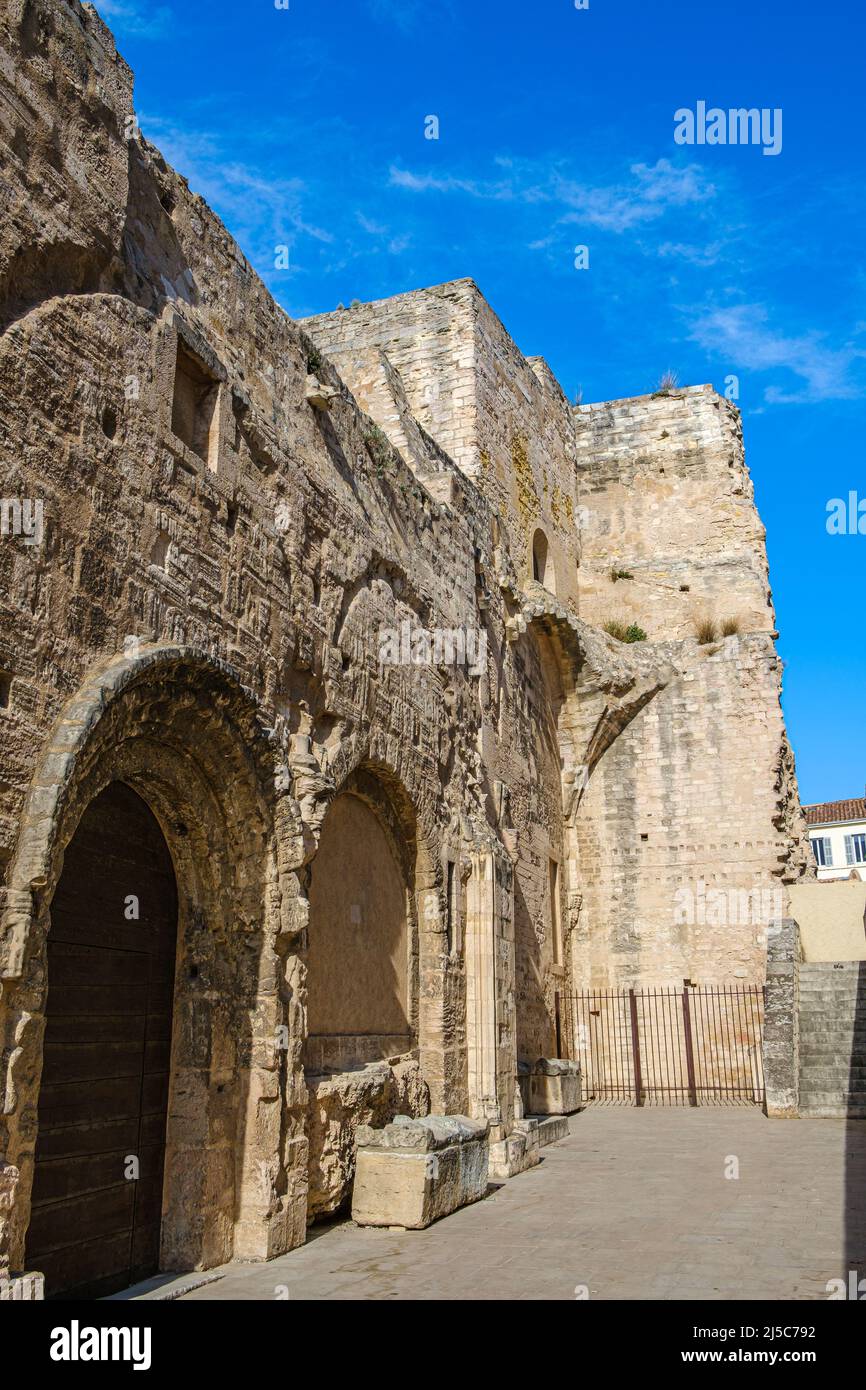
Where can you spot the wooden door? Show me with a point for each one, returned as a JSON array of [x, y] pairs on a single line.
[[95, 1226]]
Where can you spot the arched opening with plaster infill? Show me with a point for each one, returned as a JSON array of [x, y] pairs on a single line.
[[360, 961]]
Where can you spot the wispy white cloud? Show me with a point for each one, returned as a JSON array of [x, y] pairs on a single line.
[[374, 228], [652, 191], [406, 15], [696, 255], [263, 211], [383, 235], [142, 21], [433, 183], [649, 193], [743, 334]]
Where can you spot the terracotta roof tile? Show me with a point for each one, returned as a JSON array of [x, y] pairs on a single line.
[[825, 812]]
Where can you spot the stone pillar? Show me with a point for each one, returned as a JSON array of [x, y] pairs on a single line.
[[490, 1032], [782, 1020]]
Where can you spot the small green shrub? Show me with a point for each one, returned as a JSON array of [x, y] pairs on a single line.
[[315, 362], [378, 447], [624, 632], [616, 574]]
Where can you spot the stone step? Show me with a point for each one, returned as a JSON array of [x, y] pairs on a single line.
[[839, 1057], [833, 1112], [843, 1027], [829, 1040], [832, 1097], [827, 1028], [827, 1018], [834, 981], [828, 1079], [836, 1061], [830, 993], [832, 967], [827, 993]]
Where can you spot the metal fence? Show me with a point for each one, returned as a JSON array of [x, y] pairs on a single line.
[[700, 1045]]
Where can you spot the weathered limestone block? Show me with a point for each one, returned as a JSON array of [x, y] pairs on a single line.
[[515, 1153], [319, 394], [338, 1106], [413, 1172], [551, 1086]]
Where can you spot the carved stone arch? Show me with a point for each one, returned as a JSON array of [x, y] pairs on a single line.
[[179, 729]]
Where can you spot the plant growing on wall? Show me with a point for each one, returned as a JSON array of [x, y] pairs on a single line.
[[669, 381], [625, 632], [706, 631]]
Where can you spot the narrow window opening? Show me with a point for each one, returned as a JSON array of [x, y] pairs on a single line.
[[5, 689]]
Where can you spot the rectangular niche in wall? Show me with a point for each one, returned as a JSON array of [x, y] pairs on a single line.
[[194, 416]]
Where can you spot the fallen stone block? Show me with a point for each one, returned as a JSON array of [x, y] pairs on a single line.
[[515, 1153], [413, 1172], [547, 1129], [550, 1086]]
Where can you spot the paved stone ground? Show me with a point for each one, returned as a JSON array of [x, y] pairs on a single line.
[[634, 1204]]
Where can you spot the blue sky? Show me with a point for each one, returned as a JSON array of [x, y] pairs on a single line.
[[305, 127]]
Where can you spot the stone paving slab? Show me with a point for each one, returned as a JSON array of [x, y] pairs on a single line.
[[634, 1204]]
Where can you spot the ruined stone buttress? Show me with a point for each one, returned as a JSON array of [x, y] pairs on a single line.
[[324, 786]]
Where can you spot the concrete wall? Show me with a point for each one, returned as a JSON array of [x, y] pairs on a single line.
[[832, 920]]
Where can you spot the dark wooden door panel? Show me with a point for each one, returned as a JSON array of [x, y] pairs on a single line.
[[104, 1095]]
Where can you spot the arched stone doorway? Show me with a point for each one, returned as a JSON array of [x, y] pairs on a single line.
[[178, 729], [98, 1178]]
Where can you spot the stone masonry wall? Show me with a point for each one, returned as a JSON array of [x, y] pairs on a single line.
[[666, 496], [202, 618]]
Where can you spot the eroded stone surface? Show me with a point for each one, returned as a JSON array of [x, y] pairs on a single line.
[[342, 1107]]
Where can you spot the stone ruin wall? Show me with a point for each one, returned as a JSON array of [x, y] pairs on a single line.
[[698, 796], [666, 496], [656, 486], [206, 615]]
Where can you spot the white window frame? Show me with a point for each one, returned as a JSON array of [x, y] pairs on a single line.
[[855, 848], [822, 849]]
